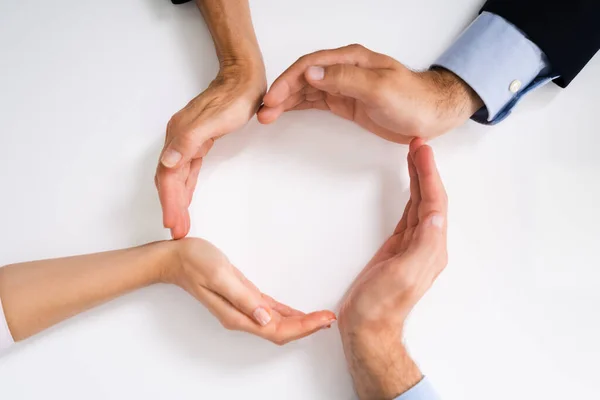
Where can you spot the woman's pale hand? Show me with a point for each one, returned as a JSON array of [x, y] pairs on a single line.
[[206, 273]]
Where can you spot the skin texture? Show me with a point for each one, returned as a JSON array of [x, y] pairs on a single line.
[[225, 106], [39, 294], [373, 90], [374, 311]]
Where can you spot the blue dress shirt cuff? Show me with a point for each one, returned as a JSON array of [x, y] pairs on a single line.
[[499, 62], [421, 391]]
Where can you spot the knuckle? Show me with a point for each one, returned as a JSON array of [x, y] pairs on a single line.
[[216, 278], [305, 59], [407, 281], [356, 47], [174, 122]]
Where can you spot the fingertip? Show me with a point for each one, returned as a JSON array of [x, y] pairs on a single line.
[[274, 96], [423, 158], [180, 230], [267, 115], [324, 317], [415, 144]]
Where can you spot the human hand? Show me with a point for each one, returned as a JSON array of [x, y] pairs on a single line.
[[372, 316], [205, 272], [226, 105], [373, 90]]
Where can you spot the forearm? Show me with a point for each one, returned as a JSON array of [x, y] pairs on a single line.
[[380, 365], [230, 25], [36, 295]]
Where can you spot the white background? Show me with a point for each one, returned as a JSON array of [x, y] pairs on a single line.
[[86, 89]]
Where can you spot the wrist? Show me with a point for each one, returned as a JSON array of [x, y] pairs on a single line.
[[166, 261], [459, 101], [245, 72], [380, 365]]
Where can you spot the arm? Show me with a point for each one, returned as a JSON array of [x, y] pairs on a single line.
[[39, 294], [230, 25], [567, 31], [514, 47], [225, 106], [377, 304], [382, 371]]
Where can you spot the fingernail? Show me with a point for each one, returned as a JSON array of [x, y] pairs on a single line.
[[327, 322], [316, 73], [437, 220], [262, 316], [170, 158]]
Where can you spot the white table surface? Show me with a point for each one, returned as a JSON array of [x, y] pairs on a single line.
[[86, 89]]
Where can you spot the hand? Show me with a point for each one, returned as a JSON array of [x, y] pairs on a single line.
[[206, 273], [375, 91], [226, 105], [372, 316]]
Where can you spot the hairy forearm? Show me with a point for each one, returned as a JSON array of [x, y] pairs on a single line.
[[230, 25], [36, 295], [380, 365], [456, 100]]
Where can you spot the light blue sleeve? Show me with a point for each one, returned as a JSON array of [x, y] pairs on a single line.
[[421, 391], [499, 62]]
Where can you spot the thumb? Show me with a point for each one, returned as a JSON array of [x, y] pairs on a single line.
[[344, 79], [179, 150], [184, 145], [245, 297]]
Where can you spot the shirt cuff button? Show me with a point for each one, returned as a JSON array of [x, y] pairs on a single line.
[[515, 86]]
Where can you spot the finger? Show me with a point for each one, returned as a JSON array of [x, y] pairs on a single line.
[[195, 166], [415, 194], [317, 105], [267, 115], [245, 298], [192, 179], [226, 313], [181, 228], [172, 193], [283, 309], [431, 231], [288, 329], [344, 80], [292, 79], [314, 96], [432, 192], [274, 304], [401, 227], [185, 145], [204, 148], [282, 330]]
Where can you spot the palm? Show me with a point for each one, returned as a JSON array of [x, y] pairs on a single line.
[[373, 119], [223, 107], [409, 261]]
